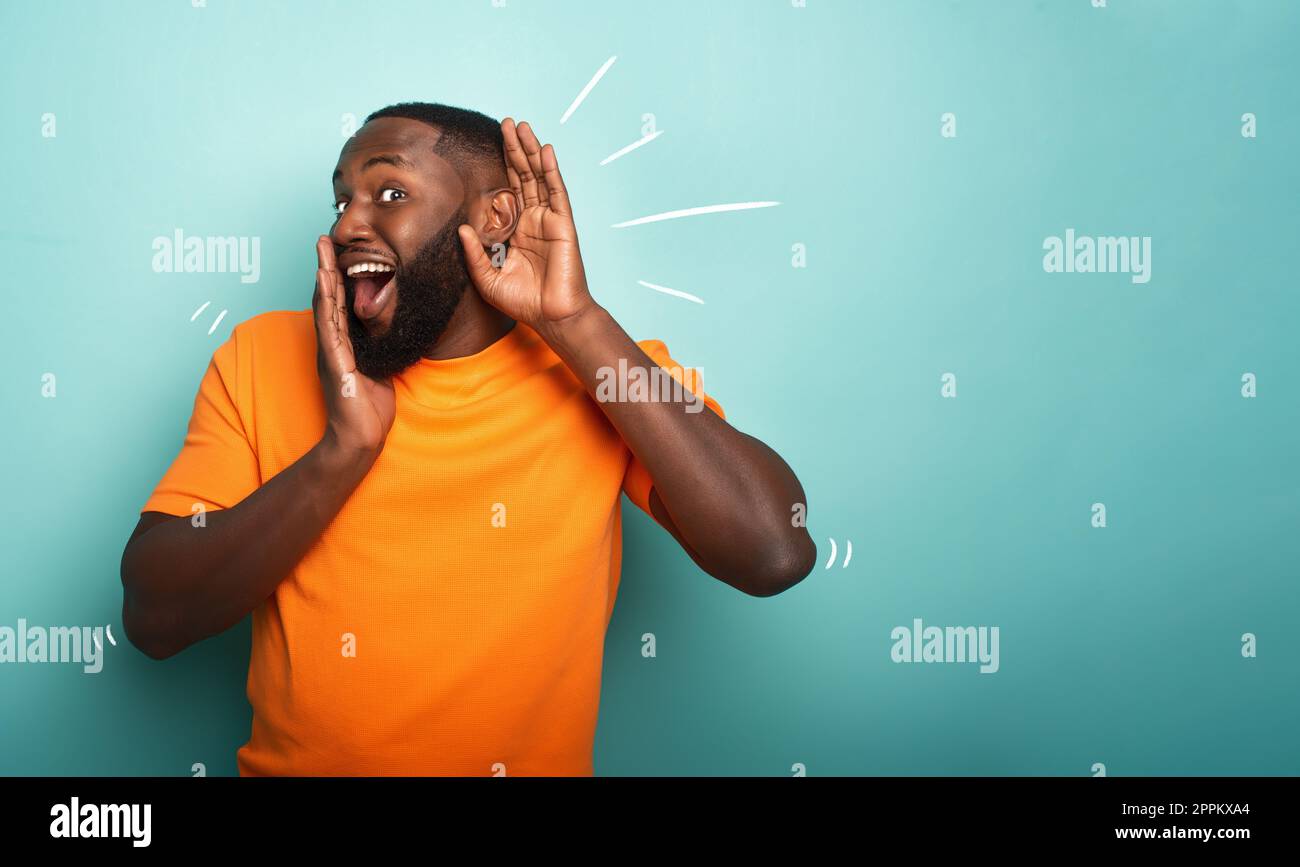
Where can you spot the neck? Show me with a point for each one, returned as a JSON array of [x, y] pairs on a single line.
[[474, 326]]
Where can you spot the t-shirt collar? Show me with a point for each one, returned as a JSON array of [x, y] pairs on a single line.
[[448, 382]]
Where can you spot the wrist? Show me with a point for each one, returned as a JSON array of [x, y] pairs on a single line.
[[571, 330], [340, 459]]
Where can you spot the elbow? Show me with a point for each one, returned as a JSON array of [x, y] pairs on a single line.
[[782, 568], [144, 635], [152, 644], [142, 629]]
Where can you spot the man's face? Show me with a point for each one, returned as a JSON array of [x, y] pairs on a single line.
[[401, 205]]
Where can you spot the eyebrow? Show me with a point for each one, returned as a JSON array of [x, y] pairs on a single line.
[[382, 159]]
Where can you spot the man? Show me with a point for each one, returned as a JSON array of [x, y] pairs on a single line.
[[414, 487]]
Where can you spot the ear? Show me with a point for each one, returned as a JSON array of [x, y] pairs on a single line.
[[498, 216]]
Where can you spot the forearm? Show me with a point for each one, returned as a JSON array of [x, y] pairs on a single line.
[[184, 583], [731, 497]]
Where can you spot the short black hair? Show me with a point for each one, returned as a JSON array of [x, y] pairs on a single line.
[[469, 138]]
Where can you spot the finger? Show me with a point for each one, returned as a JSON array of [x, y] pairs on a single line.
[[332, 321], [511, 175], [559, 194], [327, 320], [516, 159], [319, 303], [325, 254], [334, 284], [476, 260], [341, 327], [323, 300], [340, 305], [323, 308], [345, 364], [533, 153]]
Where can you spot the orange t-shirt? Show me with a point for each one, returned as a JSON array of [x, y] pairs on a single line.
[[451, 619]]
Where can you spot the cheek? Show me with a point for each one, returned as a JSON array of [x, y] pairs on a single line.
[[409, 234]]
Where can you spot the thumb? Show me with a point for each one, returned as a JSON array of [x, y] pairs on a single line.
[[476, 259]]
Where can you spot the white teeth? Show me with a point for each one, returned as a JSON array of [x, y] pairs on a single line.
[[369, 266]]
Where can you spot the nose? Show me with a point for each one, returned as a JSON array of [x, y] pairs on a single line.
[[352, 227]]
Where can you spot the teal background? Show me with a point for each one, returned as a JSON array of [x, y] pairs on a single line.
[[1118, 645]]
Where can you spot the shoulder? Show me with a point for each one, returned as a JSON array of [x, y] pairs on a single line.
[[276, 326], [275, 334], [283, 339], [268, 361]]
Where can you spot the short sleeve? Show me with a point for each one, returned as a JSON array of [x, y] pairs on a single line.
[[636, 480], [217, 466]]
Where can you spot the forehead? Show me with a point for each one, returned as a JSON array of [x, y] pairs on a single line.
[[403, 138]]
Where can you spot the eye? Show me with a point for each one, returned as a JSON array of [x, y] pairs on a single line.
[[385, 197], [339, 207]]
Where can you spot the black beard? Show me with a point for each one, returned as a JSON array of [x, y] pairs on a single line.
[[429, 288]]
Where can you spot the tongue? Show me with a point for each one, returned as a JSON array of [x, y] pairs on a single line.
[[367, 289]]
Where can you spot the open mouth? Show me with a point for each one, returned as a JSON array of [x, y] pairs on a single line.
[[372, 285]]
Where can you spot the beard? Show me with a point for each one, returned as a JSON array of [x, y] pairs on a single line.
[[429, 288]]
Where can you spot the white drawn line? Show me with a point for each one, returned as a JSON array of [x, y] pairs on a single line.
[[200, 310], [220, 316], [833, 551], [677, 292], [586, 90], [848, 555], [633, 146], [109, 629], [693, 212]]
